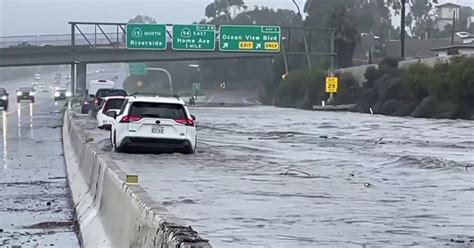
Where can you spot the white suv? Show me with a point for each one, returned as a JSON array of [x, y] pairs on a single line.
[[109, 103], [153, 122]]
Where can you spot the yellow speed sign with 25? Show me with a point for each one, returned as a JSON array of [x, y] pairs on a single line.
[[332, 84]]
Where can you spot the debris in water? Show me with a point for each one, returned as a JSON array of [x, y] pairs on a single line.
[[88, 139], [368, 185], [48, 204], [294, 170], [323, 136]]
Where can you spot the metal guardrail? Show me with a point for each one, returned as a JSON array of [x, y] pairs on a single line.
[[55, 40]]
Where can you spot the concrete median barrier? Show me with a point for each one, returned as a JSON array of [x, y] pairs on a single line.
[[110, 212]]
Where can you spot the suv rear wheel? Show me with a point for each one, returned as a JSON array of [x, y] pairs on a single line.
[[118, 149], [189, 150]]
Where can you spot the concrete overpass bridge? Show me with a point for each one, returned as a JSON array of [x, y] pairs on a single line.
[[91, 43]]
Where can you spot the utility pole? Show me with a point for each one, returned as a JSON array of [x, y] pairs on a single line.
[[308, 59], [402, 29], [454, 27]]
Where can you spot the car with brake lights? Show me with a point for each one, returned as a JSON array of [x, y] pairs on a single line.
[[4, 98], [102, 93], [25, 93], [160, 122], [109, 103]]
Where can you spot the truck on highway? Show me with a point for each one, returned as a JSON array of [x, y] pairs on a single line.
[[95, 85]]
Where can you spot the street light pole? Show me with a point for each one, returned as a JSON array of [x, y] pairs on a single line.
[[308, 59], [402, 29]]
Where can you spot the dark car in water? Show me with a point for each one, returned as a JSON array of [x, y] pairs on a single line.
[[3, 98], [103, 93], [25, 93]]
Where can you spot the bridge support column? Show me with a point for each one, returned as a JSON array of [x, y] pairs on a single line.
[[73, 79], [81, 78]]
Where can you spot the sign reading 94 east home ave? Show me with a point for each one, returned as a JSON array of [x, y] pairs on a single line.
[[199, 37], [146, 36], [246, 38]]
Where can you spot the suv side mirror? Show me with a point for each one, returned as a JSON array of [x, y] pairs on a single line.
[[112, 114], [193, 117]]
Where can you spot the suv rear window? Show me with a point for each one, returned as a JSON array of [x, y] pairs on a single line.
[[113, 104], [116, 93], [101, 93], [158, 110]]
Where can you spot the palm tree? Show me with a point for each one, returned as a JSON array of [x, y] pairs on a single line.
[[346, 35]]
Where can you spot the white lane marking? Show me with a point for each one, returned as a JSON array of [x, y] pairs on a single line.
[[23, 107], [211, 98]]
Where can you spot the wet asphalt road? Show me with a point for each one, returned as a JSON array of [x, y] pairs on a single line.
[[35, 210], [269, 177]]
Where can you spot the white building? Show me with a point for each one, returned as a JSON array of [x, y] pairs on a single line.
[[445, 14]]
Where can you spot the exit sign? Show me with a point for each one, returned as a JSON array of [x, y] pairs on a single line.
[[247, 38], [199, 37]]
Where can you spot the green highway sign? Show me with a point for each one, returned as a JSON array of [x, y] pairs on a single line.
[[146, 36], [137, 69], [199, 37], [196, 86], [246, 38]]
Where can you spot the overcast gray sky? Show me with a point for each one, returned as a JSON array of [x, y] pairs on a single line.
[[24, 17]]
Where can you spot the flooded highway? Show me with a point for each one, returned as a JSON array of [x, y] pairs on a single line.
[[35, 209], [270, 177]]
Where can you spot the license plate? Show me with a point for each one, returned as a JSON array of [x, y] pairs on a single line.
[[157, 129]]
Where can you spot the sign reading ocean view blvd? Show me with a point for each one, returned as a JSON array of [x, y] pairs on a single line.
[[246, 38], [200, 37], [146, 36]]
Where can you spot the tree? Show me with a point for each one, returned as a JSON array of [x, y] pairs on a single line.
[[142, 19], [420, 18], [224, 8], [464, 14], [346, 35]]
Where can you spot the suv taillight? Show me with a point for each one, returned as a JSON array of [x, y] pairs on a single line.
[[187, 122], [130, 118]]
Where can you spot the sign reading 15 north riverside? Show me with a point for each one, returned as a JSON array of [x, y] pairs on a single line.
[[146, 36], [199, 37], [236, 38]]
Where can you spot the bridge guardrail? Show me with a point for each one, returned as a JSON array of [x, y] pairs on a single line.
[[58, 40]]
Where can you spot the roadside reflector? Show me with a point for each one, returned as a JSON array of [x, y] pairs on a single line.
[[132, 179]]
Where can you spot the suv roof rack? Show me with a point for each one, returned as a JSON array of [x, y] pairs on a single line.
[[155, 94]]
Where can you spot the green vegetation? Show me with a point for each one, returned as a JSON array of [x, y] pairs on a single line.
[[303, 89], [443, 91]]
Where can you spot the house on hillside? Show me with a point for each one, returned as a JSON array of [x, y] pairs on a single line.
[[445, 14]]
